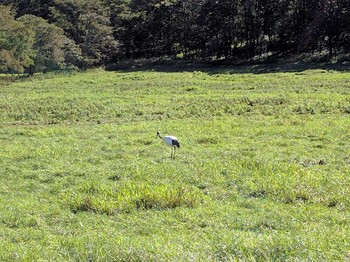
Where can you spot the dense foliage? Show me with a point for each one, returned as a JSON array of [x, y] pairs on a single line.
[[97, 32]]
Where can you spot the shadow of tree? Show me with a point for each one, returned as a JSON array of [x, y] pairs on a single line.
[[215, 68]]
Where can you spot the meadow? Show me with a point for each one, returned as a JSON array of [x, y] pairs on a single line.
[[262, 173]]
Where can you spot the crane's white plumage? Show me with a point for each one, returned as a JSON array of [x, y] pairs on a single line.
[[171, 141]]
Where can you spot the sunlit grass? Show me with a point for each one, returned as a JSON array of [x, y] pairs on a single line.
[[262, 172]]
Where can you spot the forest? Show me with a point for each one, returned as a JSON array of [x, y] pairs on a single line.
[[48, 35]]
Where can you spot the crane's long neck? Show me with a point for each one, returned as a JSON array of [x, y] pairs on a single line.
[[158, 135]]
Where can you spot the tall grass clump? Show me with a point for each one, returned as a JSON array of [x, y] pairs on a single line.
[[128, 197]]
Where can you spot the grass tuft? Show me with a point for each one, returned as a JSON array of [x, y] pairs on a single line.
[[128, 197]]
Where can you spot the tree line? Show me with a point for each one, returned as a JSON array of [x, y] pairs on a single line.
[[45, 35]]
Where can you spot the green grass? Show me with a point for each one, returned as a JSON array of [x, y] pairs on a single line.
[[262, 173]]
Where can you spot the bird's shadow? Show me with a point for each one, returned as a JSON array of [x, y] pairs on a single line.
[[164, 159], [169, 159]]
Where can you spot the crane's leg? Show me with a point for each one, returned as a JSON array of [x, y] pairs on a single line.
[[174, 152]]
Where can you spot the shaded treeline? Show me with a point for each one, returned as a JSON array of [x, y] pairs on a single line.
[[38, 35]]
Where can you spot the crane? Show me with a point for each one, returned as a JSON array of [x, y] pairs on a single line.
[[171, 141]]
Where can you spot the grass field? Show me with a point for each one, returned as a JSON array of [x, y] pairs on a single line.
[[262, 173]]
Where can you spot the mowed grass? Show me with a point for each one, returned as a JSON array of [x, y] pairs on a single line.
[[262, 173]]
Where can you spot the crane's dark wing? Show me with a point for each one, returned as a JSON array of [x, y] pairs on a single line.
[[175, 143]]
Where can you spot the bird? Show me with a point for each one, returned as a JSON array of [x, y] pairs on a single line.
[[171, 141]]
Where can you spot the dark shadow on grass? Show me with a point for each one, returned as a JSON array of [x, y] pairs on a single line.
[[224, 68], [167, 159]]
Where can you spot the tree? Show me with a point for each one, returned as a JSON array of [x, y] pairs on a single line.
[[123, 27], [344, 39], [140, 26], [190, 36], [52, 47], [88, 24], [334, 23], [219, 20], [40, 8], [16, 42]]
